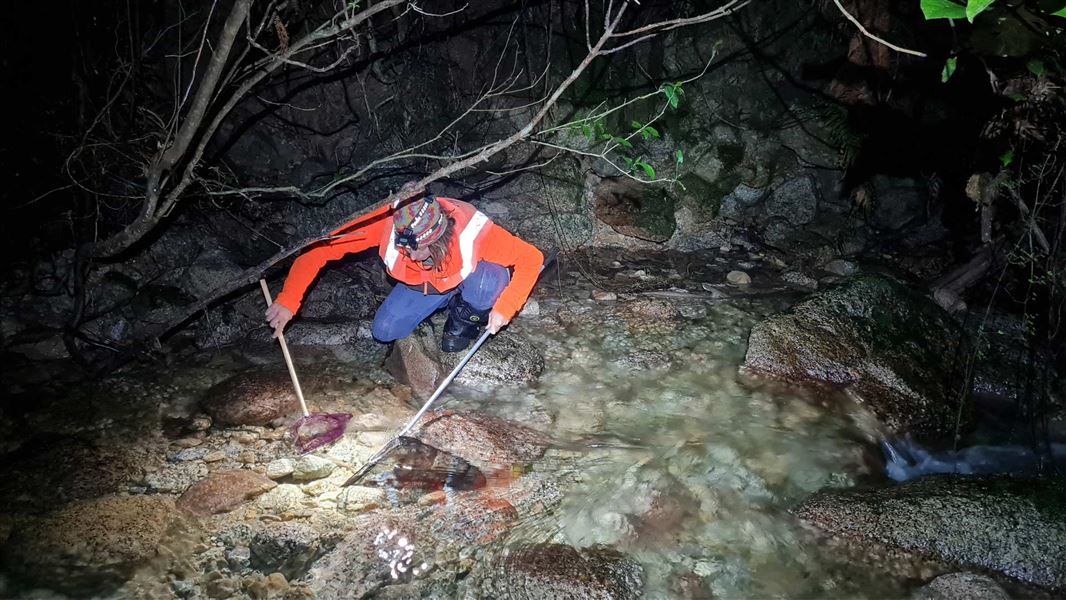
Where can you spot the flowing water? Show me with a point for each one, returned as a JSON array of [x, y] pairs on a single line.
[[676, 458]]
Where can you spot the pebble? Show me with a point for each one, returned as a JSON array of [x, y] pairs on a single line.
[[358, 498], [312, 467], [245, 437], [800, 280], [713, 289], [746, 265], [368, 422], [285, 497], [214, 456], [189, 454], [841, 267], [189, 442], [604, 296], [738, 278], [282, 467], [200, 423], [273, 434], [246, 457], [532, 308]]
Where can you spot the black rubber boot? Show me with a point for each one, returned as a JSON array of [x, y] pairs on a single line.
[[463, 325]]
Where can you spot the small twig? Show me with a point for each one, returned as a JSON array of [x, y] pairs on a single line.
[[874, 37]]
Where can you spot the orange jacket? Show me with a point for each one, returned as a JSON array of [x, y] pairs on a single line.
[[476, 238]]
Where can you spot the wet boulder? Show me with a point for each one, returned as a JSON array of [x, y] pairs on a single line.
[[897, 351], [486, 442], [252, 398], [559, 571], [223, 492], [1015, 527], [90, 546], [508, 358], [286, 548]]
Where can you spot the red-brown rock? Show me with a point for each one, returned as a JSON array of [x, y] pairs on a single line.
[[223, 492], [252, 398]]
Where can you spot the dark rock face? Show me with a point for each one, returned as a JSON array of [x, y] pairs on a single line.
[[286, 548], [961, 586], [253, 398], [92, 546], [489, 443], [643, 212], [1015, 527], [898, 351], [504, 359], [557, 572], [223, 492]]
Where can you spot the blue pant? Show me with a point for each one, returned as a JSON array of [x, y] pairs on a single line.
[[405, 308]]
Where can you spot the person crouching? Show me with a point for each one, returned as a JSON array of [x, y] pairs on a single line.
[[443, 253]]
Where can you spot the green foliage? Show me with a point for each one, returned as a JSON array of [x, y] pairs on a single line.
[[976, 7], [949, 69], [673, 93], [942, 9], [1036, 67]]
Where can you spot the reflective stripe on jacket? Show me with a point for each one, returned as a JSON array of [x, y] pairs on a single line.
[[477, 238]]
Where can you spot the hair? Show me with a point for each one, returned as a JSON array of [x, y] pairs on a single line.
[[438, 250]]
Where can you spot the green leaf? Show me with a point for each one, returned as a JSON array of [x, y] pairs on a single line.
[[650, 172], [680, 157], [587, 131], [942, 9], [629, 162], [949, 69], [1017, 97], [671, 90], [1007, 158], [1036, 67], [636, 125], [651, 130], [976, 7], [621, 141], [1059, 13]]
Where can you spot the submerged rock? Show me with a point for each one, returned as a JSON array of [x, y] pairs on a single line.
[[286, 548], [223, 492], [895, 349], [91, 546], [557, 571], [252, 398], [1015, 527], [310, 468], [489, 443], [49, 471], [381, 549], [961, 586]]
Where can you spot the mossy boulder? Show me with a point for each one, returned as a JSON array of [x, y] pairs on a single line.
[[896, 350], [1012, 526]]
